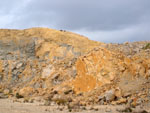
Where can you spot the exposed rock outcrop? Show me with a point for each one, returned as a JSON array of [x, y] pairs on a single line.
[[39, 58], [64, 67]]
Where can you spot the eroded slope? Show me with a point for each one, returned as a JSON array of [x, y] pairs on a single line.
[[64, 67]]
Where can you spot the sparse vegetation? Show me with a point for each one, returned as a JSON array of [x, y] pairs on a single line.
[[26, 100], [147, 46], [128, 109], [60, 101], [18, 96], [1, 90]]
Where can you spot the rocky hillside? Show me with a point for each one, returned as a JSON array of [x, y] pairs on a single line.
[[38, 59], [67, 68]]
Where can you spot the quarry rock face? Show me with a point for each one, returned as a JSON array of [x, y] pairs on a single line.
[[39, 58], [97, 68], [62, 66], [102, 66]]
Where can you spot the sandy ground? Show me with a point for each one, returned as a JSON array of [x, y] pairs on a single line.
[[8, 106]]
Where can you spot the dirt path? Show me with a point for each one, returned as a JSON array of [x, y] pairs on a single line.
[[8, 106]]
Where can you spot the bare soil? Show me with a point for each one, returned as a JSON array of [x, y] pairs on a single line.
[[8, 106]]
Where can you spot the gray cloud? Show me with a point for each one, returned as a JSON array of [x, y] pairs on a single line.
[[102, 20], [136, 33]]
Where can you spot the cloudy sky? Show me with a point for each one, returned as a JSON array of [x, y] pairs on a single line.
[[102, 20]]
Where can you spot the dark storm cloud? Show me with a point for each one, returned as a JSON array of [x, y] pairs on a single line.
[[91, 14], [103, 20]]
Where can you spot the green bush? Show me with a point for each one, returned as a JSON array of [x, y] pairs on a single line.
[[18, 96]]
